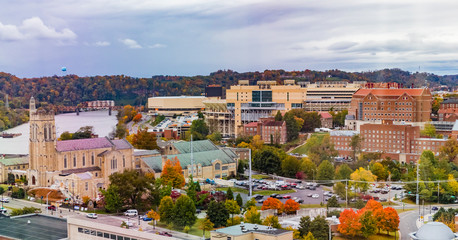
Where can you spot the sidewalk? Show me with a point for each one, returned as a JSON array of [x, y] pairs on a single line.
[[420, 222]]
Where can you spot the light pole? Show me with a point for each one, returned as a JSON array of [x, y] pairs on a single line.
[[47, 207], [249, 174]]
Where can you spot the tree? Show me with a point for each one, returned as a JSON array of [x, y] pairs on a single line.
[[65, 136], [361, 177], [379, 171], [113, 201], [291, 206], [250, 203], [199, 129], [429, 130], [355, 145], [192, 189], [153, 215], [172, 173], [343, 171], [252, 216], [290, 166], [267, 160], [309, 237], [229, 194], [83, 132], [292, 128], [320, 147], [232, 207], [239, 200], [206, 225], [217, 213], [272, 221], [257, 142], [120, 130], [390, 220], [2, 190], [368, 223], [320, 228], [144, 140], [349, 223], [166, 210], [278, 116], [309, 168], [184, 211], [304, 226], [332, 202], [132, 186], [450, 151], [325, 171], [215, 137], [272, 203], [241, 167]]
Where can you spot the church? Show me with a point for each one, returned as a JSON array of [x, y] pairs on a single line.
[[79, 167]]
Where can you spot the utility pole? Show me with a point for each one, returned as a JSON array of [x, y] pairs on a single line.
[[417, 201], [346, 193], [249, 164], [192, 161], [438, 192]]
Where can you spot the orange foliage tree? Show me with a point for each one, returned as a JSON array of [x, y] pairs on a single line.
[[172, 173], [291, 206], [137, 118], [349, 223], [273, 203], [390, 220], [377, 210]]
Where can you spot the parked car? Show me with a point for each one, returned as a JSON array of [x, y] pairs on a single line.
[[300, 187], [165, 234], [5, 200], [309, 194], [312, 188], [298, 181], [131, 213], [315, 195], [146, 218], [384, 191], [198, 211], [299, 200], [273, 195], [383, 200], [279, 197], [258, 196], [52, 207], [92, 215], [261, 201], [434, 208], [286, 196]]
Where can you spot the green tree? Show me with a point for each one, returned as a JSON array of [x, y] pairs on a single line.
[[199, 129], [131, 186], [272, 221], [309, 237], [332, 202], [450, 151], [278, 116], [232, 207], [184, 212], [379, 170], [229, 194], [166, 208], [355, 145], [113, 201], [326, 171], [206, 225], [191, 191], [290, 166], [320, 228], [343, 171], [368, 224], [429, 130], [267, 160], [217, 213], [120, 131], [304, 226], [250, 203], [241, 166], [239, 200], [292, 128], [309, 168], [320, 147], [2, 190], [66, 136], [215, 137], [83, 132]]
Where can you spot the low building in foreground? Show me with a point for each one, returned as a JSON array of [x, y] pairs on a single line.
[[248, 231], [17, 166], [433, 230]]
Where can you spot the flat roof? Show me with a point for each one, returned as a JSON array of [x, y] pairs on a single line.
[[40, 228], [180, 97]]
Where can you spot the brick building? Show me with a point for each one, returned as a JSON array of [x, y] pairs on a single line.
[[448, 110], [326, 120], [400, 105], [341, 140], [268, 129]]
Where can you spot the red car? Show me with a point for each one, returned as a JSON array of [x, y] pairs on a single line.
[[52, 207], [287, 196]]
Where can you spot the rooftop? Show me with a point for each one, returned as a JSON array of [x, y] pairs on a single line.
[[433, 230], [450, 100], [344, 133], [251, 124], [237, 230], [180, 97], [390, 92], [91, 143], [273, 123], [39, 228], [325, 115], [197, 146], [14, 161]]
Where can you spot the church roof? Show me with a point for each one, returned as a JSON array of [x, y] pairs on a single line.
[[14, 161], [197, 146], [91, 143]]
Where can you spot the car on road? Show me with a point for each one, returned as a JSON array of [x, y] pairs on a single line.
[[258, 196], [5, 200], [273, 195], [315, 195], [146, 218], [131, 213], [286, 196], [434, 208], [52, 207], [261, 201], [384, 191], [165, 234], [92, 215], [299, 200], [301, 187], [309, 194], [383, 200]]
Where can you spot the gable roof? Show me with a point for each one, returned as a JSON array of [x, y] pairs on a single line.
[[197, 146], [389, 91], [273, 123], [14, 161], [325, 115], [91, 143]]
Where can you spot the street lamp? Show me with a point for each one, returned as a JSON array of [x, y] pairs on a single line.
[[47, 207]]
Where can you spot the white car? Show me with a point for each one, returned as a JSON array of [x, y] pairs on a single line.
[[5, 200], [315, 196], [131, 213], [92, 215]]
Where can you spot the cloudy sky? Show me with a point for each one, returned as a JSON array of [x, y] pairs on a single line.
[[142, 38]]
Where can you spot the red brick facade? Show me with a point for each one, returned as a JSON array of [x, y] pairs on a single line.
[[448, 110], [268, 129]]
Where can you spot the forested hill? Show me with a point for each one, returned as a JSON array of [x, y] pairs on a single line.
[[70, 90]]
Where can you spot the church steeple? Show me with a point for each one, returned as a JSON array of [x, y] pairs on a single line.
[[32, 107]]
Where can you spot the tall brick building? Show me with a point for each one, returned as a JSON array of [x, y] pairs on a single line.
[[448, 110], [400, 105]]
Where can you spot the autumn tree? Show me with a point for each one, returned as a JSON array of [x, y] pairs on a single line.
[[309, 168], [166, 210], [390, 220], [232, 207], [355, 145], [206, 225], [368, 222], [450, 151], [252, 216], [290, 206], [379, 171], [137, 118], [172, 173], [343, 172], [272, 221], [153, 215], [349, 223], [144, 140], [362, 177], [272, 203]]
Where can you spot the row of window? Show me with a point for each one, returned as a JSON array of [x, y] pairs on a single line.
[[114, 161], [379, 119], [103, 234], [388, 114], [389, 103]]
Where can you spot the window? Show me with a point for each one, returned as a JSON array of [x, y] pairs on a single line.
[[114, 164], [217, 166], [112, 236], [84, 159], [92, 159], [106, 235], [99, 234], [80, 230], [87, 186], [228, 238], [123, 161], [65, 161], [74, 160]]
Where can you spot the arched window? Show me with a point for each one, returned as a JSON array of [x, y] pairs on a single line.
[[92, 159], [65, 161], [74, 160], [45, 131], [50, 132], [123, 161], [217, 166], [84, 159]]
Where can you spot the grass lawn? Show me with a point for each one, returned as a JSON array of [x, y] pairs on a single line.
[[303, 149], [193, 231], [382, 236], [388, 204], [312, 206], [260, 176], [261, 192]]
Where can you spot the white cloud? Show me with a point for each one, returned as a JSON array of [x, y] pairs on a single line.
[[158, 45], [102, 44], [34, 28], [130, 43]]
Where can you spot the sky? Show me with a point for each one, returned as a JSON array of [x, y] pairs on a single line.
[[142, 38]]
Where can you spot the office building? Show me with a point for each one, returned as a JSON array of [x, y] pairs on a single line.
[[175, 105]]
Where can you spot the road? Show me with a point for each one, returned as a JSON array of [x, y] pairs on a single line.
[[407, 223]]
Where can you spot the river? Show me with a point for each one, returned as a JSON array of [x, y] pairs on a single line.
[[103, 124]]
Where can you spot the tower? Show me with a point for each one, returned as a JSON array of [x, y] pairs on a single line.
[[42, 146]]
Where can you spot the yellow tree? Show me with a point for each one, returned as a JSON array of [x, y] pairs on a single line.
[[453, 184], [154, 215], [257, 142], [361, 178], [172, 173]]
